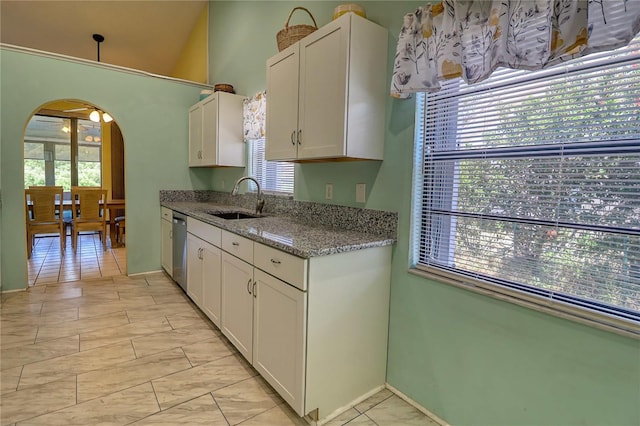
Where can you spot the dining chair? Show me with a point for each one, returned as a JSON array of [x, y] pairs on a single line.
[[43, 206], [88, 212], [121, 224]]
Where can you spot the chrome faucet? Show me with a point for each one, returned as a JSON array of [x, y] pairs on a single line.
[[259, 201]]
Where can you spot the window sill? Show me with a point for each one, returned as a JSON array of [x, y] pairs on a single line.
[[558, 309], [279, 194]]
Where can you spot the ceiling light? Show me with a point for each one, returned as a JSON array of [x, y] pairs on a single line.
[[106, 117], [94, 116], [89, 138], [66, 129]]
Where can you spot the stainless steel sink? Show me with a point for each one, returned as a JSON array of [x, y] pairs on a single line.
[[234, 215]]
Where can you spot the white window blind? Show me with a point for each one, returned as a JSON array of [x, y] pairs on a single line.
[[272, 175], [529, 182]]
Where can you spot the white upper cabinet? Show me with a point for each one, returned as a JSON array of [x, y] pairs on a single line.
[[282, 105], [327, 94], [215, 132]]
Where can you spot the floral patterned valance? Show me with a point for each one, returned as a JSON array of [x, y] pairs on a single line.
[[255, 115], [470, 39]]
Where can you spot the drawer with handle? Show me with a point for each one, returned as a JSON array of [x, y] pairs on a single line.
[[238, 246], [167, 214], [287, 267], [204, 231]]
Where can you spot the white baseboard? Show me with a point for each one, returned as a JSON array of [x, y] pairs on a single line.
[[417, 406], [14, 290], [341, 410], [145, 273], [309, 418]]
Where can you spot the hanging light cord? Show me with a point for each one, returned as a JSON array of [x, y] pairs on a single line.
[[99, 38]]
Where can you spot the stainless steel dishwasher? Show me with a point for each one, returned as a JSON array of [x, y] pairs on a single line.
[[180, 249]]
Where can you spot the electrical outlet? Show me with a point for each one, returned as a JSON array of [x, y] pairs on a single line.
[[361, 192], [328, 191]]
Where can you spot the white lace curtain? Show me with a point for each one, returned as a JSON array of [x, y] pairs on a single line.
[[255, 116], [470, 39]]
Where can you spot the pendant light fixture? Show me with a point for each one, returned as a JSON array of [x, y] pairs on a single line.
[[96, 114], [99, 38]]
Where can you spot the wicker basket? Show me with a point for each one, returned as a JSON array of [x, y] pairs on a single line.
[[290, 34], [222, 87]]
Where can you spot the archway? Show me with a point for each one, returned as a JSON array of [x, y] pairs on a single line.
[[76, 143]]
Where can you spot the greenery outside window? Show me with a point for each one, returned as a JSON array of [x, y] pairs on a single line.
[[62, 151], [273, 176], [527, 185]]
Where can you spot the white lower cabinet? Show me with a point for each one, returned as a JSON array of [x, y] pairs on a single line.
[[194, 268], [204, 268], [166, 246], [237, 303], [279, 336], [211, 274], [315, 329], [319, 325]]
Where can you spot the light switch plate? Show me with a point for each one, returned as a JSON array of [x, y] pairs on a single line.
[[361, 192]]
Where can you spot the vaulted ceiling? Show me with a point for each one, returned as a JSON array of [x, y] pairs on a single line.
[[144, 35]]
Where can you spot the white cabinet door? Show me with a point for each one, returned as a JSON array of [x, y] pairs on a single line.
[[216, 133], [210, 131], [279, 333], [195, 135], [167, 246], [231, 147], [323, 91], [282, 105], [194, 268], [211, 279], [236, 321]]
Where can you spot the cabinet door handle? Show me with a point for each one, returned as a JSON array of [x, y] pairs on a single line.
[[171, 234], [255, 294], [275, 261], [300, 137], [249, 286], [199, 154], [200, 250], [235, 243], [293, 137]]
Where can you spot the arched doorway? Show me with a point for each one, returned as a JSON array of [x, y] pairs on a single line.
[[75, 143]]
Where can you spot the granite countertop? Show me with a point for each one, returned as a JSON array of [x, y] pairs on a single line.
[[283, 232]]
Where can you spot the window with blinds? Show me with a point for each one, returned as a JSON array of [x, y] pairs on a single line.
[[272, 175], [528, 184]]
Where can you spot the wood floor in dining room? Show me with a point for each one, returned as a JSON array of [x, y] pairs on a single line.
[[48, 265]]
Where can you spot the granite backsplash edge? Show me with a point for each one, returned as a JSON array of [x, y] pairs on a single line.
[[378, 222]]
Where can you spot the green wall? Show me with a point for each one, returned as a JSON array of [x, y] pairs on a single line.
[[153, 116], [470, 359]]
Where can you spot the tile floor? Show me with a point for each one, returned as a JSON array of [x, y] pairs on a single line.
[[134, 350], [48, 265]]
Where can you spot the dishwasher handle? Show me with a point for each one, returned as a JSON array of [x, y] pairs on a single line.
[[179, 228]]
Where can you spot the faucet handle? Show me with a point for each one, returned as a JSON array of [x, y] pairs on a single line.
[[259, 206]]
